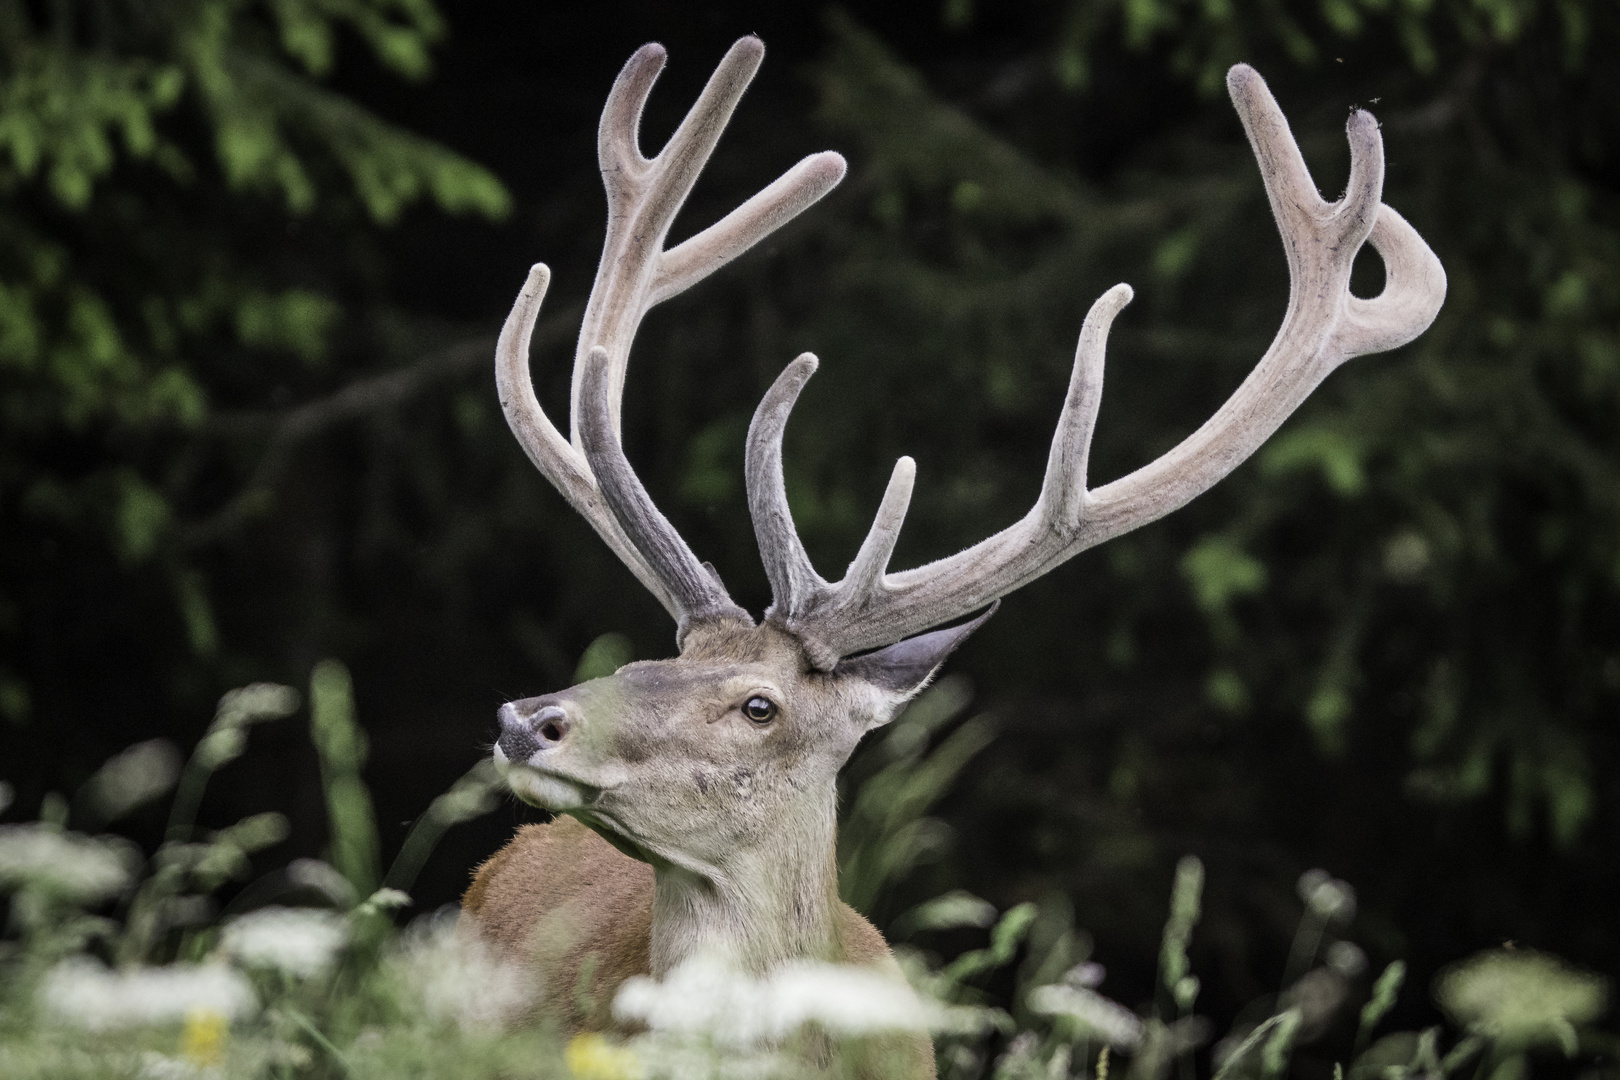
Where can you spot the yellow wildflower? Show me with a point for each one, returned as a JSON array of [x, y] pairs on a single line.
[[592, 1057], [202, 1040]]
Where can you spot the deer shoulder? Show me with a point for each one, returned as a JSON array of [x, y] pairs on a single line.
[[576, 910], [561, 900]]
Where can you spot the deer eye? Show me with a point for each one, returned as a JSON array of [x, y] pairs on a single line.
[[760, 710]]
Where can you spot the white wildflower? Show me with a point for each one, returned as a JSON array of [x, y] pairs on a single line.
[[131, 779], [156, 1066], [253, 704], [78, 868], [1522, 998], [1087, 975], [1346, 958], [1106, 1019], [82, 992], [383, 900], [705, 998], [301, 942], [219, 748], [390, 899], [954, 909], [1326, 896], [456, 978], [323, 878]]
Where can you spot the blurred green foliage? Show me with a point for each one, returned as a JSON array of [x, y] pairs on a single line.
[[342, 748], [885, 832], [150, 153]]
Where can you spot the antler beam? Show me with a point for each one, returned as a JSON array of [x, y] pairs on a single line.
[[1325, 325]]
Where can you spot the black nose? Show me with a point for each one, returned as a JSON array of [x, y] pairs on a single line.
[[525, 732]]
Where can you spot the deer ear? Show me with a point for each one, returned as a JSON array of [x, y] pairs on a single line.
[[904, 668]]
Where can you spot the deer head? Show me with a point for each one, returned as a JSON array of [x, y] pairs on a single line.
[[719, 766]]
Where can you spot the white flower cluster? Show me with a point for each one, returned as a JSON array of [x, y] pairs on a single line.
[[81, 869], [1107, 1020], [1522, 998], [708, 999], [156, 1066], [133, 778], [457, 980], [252, 704], [83, 993], [300, 942], [1326, 896], [954, 909]]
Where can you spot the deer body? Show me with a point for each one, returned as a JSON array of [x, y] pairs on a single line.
[[698, 794], [561, 897]]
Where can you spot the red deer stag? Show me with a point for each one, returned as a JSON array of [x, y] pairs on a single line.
[[696, 795]]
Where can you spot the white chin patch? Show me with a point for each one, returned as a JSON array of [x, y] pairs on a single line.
[[542, 789]]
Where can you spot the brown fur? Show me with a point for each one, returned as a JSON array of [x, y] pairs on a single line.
[[560, 897], [564, 899]]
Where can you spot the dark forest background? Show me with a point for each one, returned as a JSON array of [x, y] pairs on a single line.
[[253, 257]]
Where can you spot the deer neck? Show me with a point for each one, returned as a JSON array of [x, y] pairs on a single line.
[[760, 906]]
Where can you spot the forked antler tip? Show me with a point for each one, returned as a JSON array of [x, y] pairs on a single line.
[[1241, 79], [824, 171], [512, 348], [770, 417], [1366, 144], [748, 45], [636, 78], [650, 53], [1261, 115], [1114, 300], [1094, 332], [1366, 184], [741, 61], [621, 114]]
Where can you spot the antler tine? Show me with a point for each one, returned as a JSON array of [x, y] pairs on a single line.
[[796, 588], [794, 582], [1062, 498], [872, 560], [644, 195], [1324, 326], [789, 195], [618, 148], [552, 454]]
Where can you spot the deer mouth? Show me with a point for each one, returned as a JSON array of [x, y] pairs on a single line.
[[547, 789], [550, 790]]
